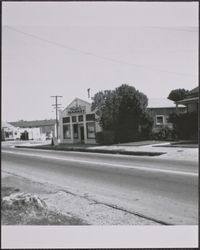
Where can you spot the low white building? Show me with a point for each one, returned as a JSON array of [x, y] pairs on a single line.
[[9, 132], [36, 129], [77, 123], [28, 130], [33, 133]]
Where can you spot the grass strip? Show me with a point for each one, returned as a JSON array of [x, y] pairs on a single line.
[[87, 150]]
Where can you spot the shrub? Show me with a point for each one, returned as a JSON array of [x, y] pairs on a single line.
[[105, 137], [164, 133], [146, 126], [127, 135], [185, 125]]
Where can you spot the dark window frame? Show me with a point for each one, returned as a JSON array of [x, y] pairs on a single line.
[[88, 117], [75, 136], [67, 137], [93, 137], [159, 116], [80, 120], [66, 119], [74, 118]]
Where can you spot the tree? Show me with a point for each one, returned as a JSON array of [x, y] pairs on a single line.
[[121, 111], [146, 125], [102, 104], [177, 94], [185, 125]]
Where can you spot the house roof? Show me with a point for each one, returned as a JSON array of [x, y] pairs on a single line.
[[194, 91], [160, 103], [7, 125], [191, 97], [36, 123], [74, 100], [189, 100]]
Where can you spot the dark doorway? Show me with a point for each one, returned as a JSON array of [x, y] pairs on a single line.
[[82, 134], [24, 136]]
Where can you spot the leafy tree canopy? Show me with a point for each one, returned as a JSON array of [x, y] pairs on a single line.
[[177, 94], [120, 110]]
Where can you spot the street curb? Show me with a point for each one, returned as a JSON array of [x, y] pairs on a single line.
[[104, 151], [176, 146]]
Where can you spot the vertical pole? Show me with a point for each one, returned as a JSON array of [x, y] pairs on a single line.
[[56, 107], [88, 90], [56, 117]]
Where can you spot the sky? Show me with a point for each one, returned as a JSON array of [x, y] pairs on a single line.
[[63, 48]]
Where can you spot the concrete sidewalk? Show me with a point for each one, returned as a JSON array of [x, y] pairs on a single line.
[[144, 148], [176, 153], [25, 143]]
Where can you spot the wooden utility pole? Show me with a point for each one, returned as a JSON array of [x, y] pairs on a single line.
[[56, 107], [88, 90]]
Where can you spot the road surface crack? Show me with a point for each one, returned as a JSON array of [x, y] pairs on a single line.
[[92, 201], [95, 202]]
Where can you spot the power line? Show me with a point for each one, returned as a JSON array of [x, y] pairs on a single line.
[[175, 29], [98, 56]]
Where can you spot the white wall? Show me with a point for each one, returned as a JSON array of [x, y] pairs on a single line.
[[34, 133]]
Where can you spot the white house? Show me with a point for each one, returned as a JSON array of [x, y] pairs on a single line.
[[77, 123]]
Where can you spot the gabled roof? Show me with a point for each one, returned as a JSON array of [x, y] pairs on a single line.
[[76, 99], [36, 123]]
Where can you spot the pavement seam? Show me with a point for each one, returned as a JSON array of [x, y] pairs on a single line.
[[95, 201], [116, 207]]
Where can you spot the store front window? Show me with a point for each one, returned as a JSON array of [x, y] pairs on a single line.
[[66, 132], [90, 117], [73, 118], [75, 128], [66, 119], [80, 118], [90, 130]]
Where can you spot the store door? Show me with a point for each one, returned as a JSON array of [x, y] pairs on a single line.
[[82, 134]]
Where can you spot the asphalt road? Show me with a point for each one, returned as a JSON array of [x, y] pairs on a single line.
[[161, 190]]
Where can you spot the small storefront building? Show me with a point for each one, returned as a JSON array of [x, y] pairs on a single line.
[[77, 123]]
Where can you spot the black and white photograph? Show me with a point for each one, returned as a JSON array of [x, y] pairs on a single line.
[[99, 125]]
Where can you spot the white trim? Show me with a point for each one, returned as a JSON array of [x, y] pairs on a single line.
[[158, 123]]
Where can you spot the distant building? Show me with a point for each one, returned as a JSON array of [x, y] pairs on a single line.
[[191, 100], [160, 111], [37, 129], [9, 132], [77, 123]]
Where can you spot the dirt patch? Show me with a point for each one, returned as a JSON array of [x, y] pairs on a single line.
[[19, 208], [69, 202]]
